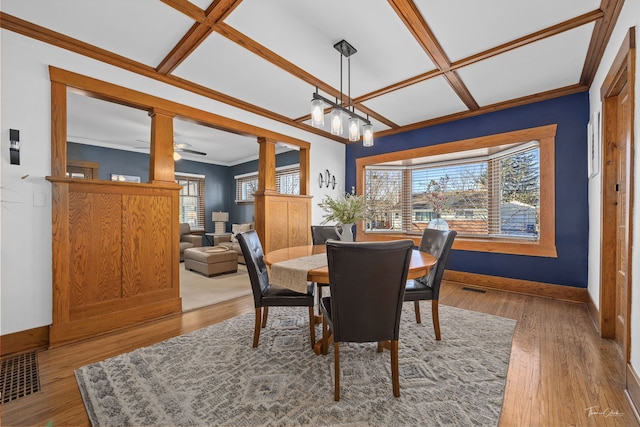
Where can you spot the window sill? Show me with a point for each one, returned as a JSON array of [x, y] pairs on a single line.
[[501, 246]]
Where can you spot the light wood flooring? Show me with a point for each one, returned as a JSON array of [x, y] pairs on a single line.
[[561, 373]]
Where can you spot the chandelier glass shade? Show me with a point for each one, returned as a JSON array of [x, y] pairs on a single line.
[[339, 113]]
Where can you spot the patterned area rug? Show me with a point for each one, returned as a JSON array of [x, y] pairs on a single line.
[[214, 377]]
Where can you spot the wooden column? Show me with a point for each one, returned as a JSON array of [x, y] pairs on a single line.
[[281, 220], [161, 163], [304, 172], [58, 129], [267, 165]]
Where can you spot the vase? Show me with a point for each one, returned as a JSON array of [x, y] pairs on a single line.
[[344, 231], [439, 224]]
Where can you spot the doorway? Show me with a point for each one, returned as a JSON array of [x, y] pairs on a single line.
[[617, 200]]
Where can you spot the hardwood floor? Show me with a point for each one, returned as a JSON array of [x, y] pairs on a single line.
[[561, 373]]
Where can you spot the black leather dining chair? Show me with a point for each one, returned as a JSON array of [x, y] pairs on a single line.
[[438, 243], [319, 236], [367, 282], [266, 295]]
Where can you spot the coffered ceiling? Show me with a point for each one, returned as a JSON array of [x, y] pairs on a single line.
[[418, 62]]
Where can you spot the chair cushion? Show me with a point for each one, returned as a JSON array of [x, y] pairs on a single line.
[[277, 295], [417, 290]]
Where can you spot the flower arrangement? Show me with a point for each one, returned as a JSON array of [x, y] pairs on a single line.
[[436, 194], [347, 209]]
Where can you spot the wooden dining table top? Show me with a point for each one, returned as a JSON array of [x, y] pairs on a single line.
[[421, 262]]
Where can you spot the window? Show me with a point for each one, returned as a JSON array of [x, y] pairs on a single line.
[[496, 195], [191, 199], [495, 191], [287, 182]]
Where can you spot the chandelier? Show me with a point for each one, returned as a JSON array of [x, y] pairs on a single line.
[[340, 114]]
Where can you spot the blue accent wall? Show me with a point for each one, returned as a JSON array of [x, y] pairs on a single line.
[[571, 114], [244, 212], [219, 180]]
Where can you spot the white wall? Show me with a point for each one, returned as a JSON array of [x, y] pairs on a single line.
[[25, 231], [629, 17]]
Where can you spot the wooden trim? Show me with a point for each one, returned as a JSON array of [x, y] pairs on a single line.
[[633, 390], [218, 10], [46, 35], [546, 246], [58, 129], [622, 71], [518, 286], [600, 39], [594, 314], [408, 12], [132, 98], [530, 99], [188, 8], [28, 340], [506, 47]]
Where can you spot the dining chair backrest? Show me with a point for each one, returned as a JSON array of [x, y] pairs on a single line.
[[438, 243], [321, 233], [256, 267], [367, 282]]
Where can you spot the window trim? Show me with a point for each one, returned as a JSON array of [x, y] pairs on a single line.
[[281, 170], [200, 179], [545, 246]]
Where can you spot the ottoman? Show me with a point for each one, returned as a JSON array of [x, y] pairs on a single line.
[[210, 260]]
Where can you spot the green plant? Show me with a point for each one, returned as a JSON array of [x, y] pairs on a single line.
[[347, 209]]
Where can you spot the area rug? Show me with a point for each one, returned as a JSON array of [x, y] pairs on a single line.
[[198, 290], [213, 377]]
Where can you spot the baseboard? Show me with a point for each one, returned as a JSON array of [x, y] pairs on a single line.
[[29, 340], [526, 287], [633, 390], [594, 314]]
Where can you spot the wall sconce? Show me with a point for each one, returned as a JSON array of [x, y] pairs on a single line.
[[219, 219], [14, 146], [327, 179]]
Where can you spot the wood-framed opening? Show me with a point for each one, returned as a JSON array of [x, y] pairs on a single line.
[[618, 101], [545, 135], [115, 244]]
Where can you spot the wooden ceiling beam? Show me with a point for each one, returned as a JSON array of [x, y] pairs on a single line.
[[414, 21], [187, 8], [217, 11], [539, 35], [599, 39], [256, 48], [46, 35], [529, 99]]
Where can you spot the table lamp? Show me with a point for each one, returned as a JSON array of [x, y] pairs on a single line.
[[219, 219]]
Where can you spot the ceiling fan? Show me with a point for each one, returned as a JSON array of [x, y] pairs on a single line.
[[178, 147]]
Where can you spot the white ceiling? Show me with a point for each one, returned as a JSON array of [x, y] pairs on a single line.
[[300, 34]]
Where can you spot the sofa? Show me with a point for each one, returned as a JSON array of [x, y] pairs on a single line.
[[231, 242], [188, 240]]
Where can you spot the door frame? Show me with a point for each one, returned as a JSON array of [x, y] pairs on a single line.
[[622, 71]]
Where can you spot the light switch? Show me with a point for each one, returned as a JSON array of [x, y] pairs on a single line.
[[39, 200]]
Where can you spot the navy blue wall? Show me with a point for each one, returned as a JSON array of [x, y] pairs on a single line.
[[219, 182], [244, 212], [571, 114]]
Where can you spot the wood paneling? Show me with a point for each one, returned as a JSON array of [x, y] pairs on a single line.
[[287, 220], [94, 253], [120, 256]]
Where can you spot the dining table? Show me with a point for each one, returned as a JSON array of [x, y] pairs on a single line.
[[421, 263]]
